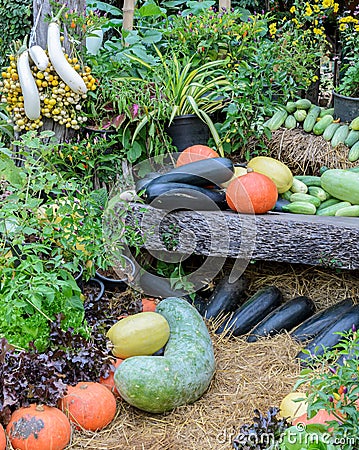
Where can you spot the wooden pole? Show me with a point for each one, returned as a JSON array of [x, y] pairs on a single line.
[[225, 4], [128, 13]]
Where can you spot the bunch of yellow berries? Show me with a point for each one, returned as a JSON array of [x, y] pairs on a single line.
[[58, 101]]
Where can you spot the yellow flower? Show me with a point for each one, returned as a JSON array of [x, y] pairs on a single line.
[[316, 8], [308, 10], [336, 7], [327, 3], [315, 78], [318, 31], [292, 9], [342, 27]]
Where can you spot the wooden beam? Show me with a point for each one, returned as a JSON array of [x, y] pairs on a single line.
[[128, 13], [289, 238]]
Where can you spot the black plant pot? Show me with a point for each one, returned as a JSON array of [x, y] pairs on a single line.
[[94, 282], [345, 108], [118, 283], [188, 130]]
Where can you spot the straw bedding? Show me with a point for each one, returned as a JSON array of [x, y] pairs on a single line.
[[248, 376], [305, 153]]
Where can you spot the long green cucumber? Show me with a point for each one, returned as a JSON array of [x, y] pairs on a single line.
[[311, 118], [277, 120], [330, 202], [330, 130], [340, 135], [349, 211], [322, 124], [318, 192], [298, 186], [160, 383], [298, 197], [326, 111], [352, 138], [353, 154], [300, 208], [309, 180], [331, 210]]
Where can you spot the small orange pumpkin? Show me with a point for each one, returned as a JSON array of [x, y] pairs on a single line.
[[196, 153], [38, 427], [109, 382], [252, 193], [322, 417], [89, 405], [2, 438], [148, 304]]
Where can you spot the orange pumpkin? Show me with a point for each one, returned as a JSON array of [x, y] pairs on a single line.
[[38, 427], [195, 153], [2, 438], [109, 382], [322, 417], [89, 405], [252, 193], [148, 304]]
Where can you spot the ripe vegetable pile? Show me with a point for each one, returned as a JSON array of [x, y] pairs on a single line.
[[46, 84], [319, 121]]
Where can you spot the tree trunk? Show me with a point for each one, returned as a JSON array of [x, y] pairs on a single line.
[[41, 13]]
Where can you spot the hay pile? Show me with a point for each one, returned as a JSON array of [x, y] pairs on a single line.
[[305, 153], [248, 376]]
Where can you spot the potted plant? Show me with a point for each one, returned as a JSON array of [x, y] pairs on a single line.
[[346, 93], [191, 92]]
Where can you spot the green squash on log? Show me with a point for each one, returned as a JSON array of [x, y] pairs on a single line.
[[342, 184], [160, 383]]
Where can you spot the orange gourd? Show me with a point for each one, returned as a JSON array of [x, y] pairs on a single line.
[[252, 193], [39, 427], [195, 153], [322, 417], [109, 382], [148, 304], [89, 405], [2, 438]]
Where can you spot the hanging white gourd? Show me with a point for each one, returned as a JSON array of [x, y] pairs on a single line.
[[57, 57], [28, 86]]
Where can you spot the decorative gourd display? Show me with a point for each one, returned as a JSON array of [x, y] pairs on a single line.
[[38, 427], [195, 153], [139, 334], [161, 383], [275, 170], [2, 438], [253, 193], [293, 406], [89, 405], [109, 382]]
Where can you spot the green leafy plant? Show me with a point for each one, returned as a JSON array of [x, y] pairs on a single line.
[[349, 64], [185, 89], [312, 437], [332, 382]]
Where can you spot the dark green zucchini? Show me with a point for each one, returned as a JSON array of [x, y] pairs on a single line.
[[198, 302], [278, 207], [225, 297], [141, 184], [329, 337], [210, 171], [156, 286], [283, 318], [315, 324], [252, 311], [172, 196]]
